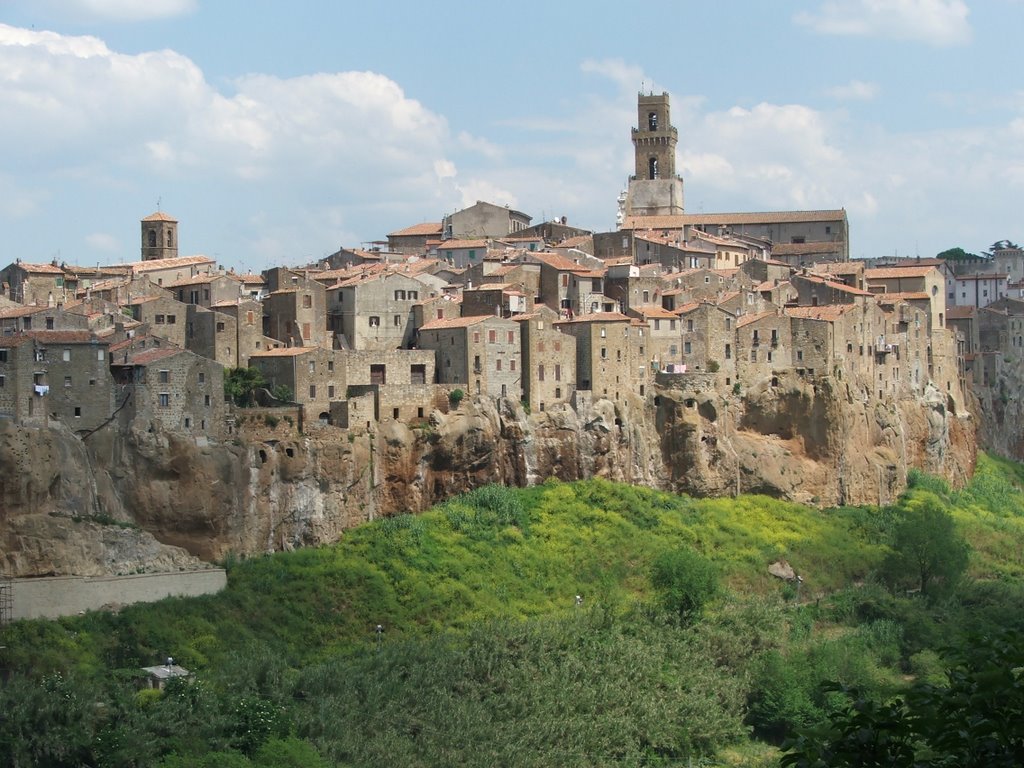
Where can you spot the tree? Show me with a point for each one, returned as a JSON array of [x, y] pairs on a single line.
[[240, 383], [282, 393], [927, 552], [957, 254], [455, 397], [684, 581]]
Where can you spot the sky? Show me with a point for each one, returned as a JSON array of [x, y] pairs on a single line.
[[277, 133]]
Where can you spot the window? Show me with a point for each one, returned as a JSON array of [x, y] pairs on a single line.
[[652, 121], [687, 348], [65, 355], [312, 366], [101, 354], [647, 296], [418, 374], [312, 391], [398, 321], [330, 366], [151, 238], [728, 351], [413, 295], [67, 381], [330, 391], [604, 333], [476, 337], [3, 355], [799, 355], [511, 365], [497, 364], [540, 373], [374, 321], [220, 327], [49, 323], [307, 301], [1, 380], [753, 355], [472, 255], [604, 353], [558, 373], [652, 168], [565, 281], [511, 337], [206, 400], [165, 399], [492, 337], [689, 326], [164, 377], [202, 377], [78, 412], [399, 295], [188, 422], [171, 319]]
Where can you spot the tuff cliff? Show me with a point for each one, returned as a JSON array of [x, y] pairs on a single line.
[[817, 442]]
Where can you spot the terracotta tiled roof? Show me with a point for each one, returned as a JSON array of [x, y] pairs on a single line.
[[454, 244], [982, 276], [767, 217], [150, 355], [834, 285], [43, 269], [687, 308], [960, 313], [802, 249], [178, 261], [21, 311], [893, 273], [453, 322], [283, 352], [598, 317], [426, 228], [576, 242], [748, 319], [63, 337], [902, 296], [207, 277], [160, 216], [829, 312], [557, 261], [653, 310], [841, 267]]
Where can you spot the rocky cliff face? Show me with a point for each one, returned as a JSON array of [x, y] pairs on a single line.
[[817, 442]]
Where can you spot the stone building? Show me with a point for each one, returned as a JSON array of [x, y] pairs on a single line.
[[764, 347], [24, 386], [311, 373], [815, 290], [462, 253], [654, 188], [499, 299], [549, 359], [207, 289], [401, 381], [296, 313], [481, 353], [665, 345], [375, 311], [631, 286], [611, 354], [168, 388], [414, 239], [41, 285], [980, 289], [912, 279], [165, 317], [159, 237], [483, 220], [233, 350], [171, 270], [709, 339]]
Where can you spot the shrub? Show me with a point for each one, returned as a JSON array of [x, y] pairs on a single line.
[[455, 397], [684, 582]]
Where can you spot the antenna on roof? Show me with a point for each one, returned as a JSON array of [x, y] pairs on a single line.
[[158, 200]]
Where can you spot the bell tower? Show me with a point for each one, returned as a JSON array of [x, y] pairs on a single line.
[[159, 237], [654, 188]]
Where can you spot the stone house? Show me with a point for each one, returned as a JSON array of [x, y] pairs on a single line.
[[481, 353], [484, 220], [708, 339], [499, 299], [375, 311], [611, 354], [313, 374], [168, 388], [815, 290], [443, 307], [629, 286], [463, 253], [165, 317], [586, 292], [59, 374], [401, 381], [549, 359], [41, 285], [245, 317], [665, 345], [297, 314], [414, 239], [172, 270], [912, 279], [121, 290], [19, 318], [672, 252], [207, 289], [764, 347], [964, 320]]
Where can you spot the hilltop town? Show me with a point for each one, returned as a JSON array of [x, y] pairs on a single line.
[[483, 307]]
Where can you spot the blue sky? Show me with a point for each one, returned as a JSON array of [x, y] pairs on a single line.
[[278, 132]]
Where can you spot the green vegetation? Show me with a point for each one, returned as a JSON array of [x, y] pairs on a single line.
[[455, 397], [683, 648], [240, 385], [283, 393]]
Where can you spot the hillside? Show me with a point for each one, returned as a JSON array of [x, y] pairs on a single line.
[[485, 657]]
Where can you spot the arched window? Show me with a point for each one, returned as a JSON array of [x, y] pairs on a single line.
[[170, 239], [652, 121], [152, 238], [652, 168]]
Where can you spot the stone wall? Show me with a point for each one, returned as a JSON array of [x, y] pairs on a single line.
[[70, 595]]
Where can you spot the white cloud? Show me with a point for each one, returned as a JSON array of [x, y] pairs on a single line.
[[855, 90], [937, 22], [114, 10], [629, 78], [103, 241]]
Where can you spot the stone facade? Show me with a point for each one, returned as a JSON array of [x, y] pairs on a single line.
[[483, 220], [481, 353], [296, 314], [159, 237], [611, 355], [165, 317], [549, 360]]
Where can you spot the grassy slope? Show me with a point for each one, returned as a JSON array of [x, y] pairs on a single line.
[[503, 553]]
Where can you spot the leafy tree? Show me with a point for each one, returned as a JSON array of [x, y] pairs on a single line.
[[975, 720], [927, 551], [999, 245], [240, 383], [283, 393], [684, 581], [455, 397], [956, 254]]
